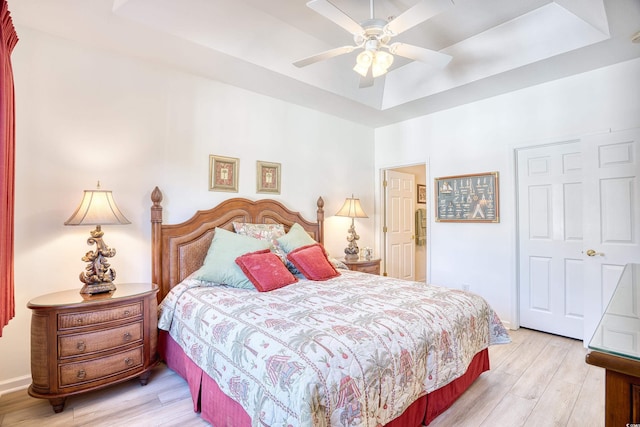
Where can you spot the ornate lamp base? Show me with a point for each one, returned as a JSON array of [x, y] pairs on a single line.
[[97, 288], [352, 250], [351, 257], [98, 276]]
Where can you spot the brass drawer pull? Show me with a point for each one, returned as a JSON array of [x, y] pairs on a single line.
[[128, 361], [81, 374], [127, 336], [79, 321], [127, 312], [80, 346]]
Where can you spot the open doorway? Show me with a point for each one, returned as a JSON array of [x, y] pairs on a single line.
[[404, 222]]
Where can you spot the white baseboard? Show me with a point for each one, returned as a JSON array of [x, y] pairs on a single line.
[[14, 384]]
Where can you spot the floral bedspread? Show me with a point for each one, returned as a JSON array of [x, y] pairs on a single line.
[[355, 350]]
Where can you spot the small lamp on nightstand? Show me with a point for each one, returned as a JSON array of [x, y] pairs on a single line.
[[97, 208], [352, 209]]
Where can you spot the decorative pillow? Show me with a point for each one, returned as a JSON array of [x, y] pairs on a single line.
[[276, 249], [265, 270], [312, 262], [268, 232], [259, 231], [219, 265], [295, 238]]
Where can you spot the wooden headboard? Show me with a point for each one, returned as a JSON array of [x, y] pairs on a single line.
[[178, 250]]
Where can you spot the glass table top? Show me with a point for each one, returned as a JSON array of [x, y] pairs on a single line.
[[618, 332]]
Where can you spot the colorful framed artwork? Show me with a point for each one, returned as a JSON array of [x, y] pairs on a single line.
[[268, 177], [223, 174], [467, 198], [422, 193]]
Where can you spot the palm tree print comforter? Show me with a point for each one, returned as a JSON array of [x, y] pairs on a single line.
[[355, 350]]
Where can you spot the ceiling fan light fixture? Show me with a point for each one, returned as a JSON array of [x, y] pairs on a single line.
[[377, 71], [363, 62], [381, 63]]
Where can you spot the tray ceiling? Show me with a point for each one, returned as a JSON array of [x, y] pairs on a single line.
[[497, 46]]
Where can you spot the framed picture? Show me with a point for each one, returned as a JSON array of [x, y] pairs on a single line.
[[223, 174], [268, 177], [467, 198], [422, 193]]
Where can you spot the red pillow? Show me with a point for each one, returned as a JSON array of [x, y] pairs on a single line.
[[265, 270], [312, 262]]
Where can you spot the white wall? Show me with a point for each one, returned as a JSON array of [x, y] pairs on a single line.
[[85, 115], [480, 137]]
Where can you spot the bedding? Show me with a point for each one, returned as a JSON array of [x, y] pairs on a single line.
[[356, 349]]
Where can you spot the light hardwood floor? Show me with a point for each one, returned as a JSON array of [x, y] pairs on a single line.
[[537, 380]]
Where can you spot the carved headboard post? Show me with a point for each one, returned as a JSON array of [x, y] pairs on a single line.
[[320, 212], [156, 238]]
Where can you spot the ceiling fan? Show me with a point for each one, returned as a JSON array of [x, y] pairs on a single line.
[[374, 37]]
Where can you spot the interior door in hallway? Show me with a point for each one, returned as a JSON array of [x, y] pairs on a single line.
[[579, 224], [399, 226]]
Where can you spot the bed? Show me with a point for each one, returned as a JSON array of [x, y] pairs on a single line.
[[344, 349]]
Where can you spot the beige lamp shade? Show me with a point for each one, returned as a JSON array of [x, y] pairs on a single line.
[[97, 208], [352, 209]]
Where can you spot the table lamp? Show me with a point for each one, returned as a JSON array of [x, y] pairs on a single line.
[[97, 208], [352, 209]]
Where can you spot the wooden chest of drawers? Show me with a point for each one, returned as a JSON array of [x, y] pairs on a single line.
[[85, 343]]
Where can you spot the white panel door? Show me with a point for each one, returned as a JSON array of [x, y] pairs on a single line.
[[579, 224], [612, 216], [400, 225], [550, 192]]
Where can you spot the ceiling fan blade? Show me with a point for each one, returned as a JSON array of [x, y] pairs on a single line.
[[324, 55], [366, 81], [413, 16], [421, 54], [332, 13]]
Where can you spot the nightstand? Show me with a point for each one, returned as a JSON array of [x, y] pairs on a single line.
[[371, 266], [83, 343]]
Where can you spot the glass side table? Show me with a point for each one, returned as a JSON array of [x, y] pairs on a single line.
[[615, 346]]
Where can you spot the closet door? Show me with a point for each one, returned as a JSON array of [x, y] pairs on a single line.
[[550, 192], [578, 225]]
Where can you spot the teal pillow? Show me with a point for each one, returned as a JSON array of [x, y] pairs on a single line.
[[220, 263], [295, 238]]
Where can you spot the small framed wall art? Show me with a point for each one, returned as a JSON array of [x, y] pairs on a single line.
[[467, 198], [422, 193], [223, 174], [268, 177]]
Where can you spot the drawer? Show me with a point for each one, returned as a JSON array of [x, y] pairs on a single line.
[[95, 369], [77, 320], [74, 345]]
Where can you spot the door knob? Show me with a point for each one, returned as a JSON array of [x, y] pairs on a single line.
[[591, 252]]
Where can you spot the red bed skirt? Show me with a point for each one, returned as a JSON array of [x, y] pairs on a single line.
[[222, 411]]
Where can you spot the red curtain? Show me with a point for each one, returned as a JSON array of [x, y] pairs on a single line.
[[8, 40]]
